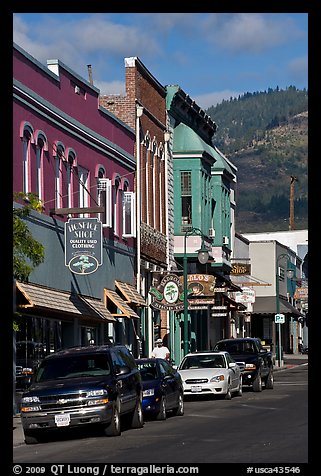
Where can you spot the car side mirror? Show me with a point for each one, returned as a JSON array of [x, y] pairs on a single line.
[[124, 369], [232, 364]]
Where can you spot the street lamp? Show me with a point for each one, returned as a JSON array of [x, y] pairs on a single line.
[[203, 255], [290, 274]]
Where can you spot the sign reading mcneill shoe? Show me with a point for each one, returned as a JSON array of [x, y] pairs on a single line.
[[168, 295], [83, 245]]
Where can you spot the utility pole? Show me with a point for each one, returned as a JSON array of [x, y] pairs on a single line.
[[291, 223]]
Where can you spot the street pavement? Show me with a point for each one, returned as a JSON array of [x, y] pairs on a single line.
[[289, 361]]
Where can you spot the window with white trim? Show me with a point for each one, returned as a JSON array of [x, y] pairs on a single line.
[[40, 147], [58, 175], [83, 178], [116, 201], [104, 199], [26, 144], [129, 214]]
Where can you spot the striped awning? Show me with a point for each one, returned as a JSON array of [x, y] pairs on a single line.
[[117, 306], [130, 293], [42, 298]]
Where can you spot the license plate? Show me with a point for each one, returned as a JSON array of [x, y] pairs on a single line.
[[63, 419], [196, 389]]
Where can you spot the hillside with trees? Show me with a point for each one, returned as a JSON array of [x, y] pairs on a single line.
[[265, 135]]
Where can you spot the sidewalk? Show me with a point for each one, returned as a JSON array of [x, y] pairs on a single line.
[[18, 438]]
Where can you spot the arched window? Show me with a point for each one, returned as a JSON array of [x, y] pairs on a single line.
[[104, 197], [26, 135], [144, 177], [116, 201], [41, 147], [68, 177], [58, 154], [129, 211], [83, 180]]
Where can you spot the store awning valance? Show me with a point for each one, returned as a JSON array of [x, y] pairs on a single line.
[[267, 305], [130, 294], [114, 302], [42, 298]]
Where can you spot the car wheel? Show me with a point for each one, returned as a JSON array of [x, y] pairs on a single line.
[[31, 438], [113, 429], [161, 415], [137, 419], [228, 394], [239, 392], [269, 383], [257, 383], [179, 410]]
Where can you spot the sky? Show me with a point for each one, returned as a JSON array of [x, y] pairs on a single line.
[[211, 56]]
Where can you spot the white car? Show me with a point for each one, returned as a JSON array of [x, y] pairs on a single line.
[[210, 373]]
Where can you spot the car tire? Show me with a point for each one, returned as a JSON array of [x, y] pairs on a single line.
[[161, 415], [179, 410], [257, 383], [137, 419], [239, 392], [269, 382], [31, 438], [228, 394], [114, 429]]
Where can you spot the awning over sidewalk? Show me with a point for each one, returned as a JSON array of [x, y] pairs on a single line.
[[267, 305], [114, 302], [130, 294], [42, 298]]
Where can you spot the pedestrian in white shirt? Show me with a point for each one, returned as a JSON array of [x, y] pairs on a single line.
[[160, 351]]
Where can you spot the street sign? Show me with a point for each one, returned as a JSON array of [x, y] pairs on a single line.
[[279, 318]]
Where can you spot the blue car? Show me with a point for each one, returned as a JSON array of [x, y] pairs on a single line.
[[162, 388]]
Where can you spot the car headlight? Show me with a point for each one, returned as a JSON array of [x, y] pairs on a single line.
[[33, 399], [27, 371], [148, 392], [250, 367], [217, 378]]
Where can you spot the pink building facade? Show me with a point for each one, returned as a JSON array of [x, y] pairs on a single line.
[[73, 154]]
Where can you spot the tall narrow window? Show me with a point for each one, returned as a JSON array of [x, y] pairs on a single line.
[[129, 213], [186, 194], [116, 200], [26, 144], [69, 164], [58, 174], [104, 198], [41, 146], [83, 177]]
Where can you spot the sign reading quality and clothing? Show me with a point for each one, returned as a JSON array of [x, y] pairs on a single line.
[[83, 245]]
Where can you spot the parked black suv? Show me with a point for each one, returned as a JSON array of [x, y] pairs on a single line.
[[83, 386]]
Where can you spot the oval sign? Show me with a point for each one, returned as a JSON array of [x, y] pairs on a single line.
[[83, 264]]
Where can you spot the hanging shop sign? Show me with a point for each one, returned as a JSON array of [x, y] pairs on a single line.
[[169, 295], [200, 284], [240, 268], [246, 296], [83, 245]]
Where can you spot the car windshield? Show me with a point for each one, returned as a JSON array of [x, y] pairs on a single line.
[[148, 370], [242, 347], [73, 367], [203, 362]]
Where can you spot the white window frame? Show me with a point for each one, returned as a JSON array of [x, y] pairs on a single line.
[[129, 197], [104, 185], [83, 176]]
